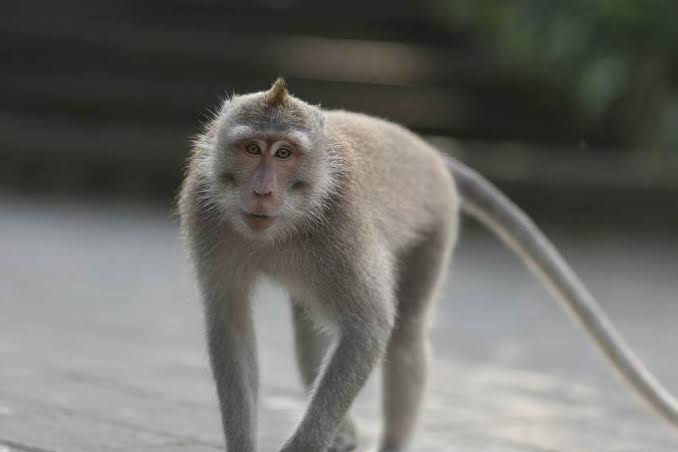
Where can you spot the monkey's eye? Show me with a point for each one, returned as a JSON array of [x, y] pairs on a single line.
[[283, 153], [253, 149]]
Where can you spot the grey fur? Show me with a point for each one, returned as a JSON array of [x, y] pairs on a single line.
[[361, 240]]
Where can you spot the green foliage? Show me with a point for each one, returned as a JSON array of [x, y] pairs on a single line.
[[604, 55]]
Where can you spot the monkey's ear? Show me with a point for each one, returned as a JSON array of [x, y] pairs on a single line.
[[277, 95]]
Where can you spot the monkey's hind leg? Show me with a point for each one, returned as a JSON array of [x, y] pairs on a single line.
[[407, 358], [311, 348]]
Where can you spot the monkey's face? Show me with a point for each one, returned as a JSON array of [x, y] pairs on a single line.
[[269, 165], [269, 183]]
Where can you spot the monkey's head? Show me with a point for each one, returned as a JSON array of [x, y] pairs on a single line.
[[266, 161]]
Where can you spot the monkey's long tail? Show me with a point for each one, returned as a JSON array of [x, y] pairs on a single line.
[[485, 202]]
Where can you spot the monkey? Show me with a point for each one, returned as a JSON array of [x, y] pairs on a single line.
[[356, 217]]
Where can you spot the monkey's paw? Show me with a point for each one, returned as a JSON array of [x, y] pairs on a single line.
[[345, 440]]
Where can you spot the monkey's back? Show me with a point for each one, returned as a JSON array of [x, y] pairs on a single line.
[[401, 180]]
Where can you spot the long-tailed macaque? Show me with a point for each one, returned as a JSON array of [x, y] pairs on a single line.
[[356, 217]]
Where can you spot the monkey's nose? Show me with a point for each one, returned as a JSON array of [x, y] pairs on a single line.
[[262, 193]]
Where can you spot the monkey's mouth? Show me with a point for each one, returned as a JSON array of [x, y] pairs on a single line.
[[258, 221]]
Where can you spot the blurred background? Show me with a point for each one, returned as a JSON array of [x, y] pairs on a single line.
[[569, 106], [552, 100]]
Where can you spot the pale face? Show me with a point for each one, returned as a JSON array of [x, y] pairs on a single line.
[[268, 183]]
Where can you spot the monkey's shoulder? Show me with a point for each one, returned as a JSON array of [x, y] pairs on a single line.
[[355, 123], [371, 136], [401, 178]]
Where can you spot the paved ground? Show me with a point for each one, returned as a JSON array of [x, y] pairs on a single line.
[[101, 343]]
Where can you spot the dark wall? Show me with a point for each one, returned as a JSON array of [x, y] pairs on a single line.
[[99, 94]]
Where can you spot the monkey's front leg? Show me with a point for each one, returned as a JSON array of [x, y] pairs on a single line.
[[364, 328], [232, 350]]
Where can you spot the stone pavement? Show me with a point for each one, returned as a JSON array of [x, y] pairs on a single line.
[[101, 343]]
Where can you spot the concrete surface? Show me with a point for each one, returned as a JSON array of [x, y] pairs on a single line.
[[101, 343]]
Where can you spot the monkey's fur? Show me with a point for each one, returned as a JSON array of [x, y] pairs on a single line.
[[356, 217]]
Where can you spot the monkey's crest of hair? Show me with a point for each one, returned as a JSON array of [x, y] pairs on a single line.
[[274, 110], [277, 95]]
